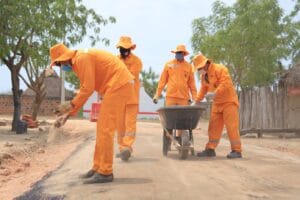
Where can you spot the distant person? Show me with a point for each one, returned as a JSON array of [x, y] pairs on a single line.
[[104, 73], [127, 130], [217, 85]]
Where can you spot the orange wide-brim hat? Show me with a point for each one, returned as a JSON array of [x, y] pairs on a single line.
[[126, 43], [199, 61], [181, 48], [60, 52]]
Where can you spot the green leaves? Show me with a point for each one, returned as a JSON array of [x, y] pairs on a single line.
[[249, 38], [150, 81], [31, 27]]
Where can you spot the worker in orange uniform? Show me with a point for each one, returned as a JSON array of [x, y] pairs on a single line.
[[104, 73], [127, 130], [179, 77], [217, 85]]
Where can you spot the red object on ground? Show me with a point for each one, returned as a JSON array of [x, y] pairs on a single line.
[[30, 122], [95, 111]]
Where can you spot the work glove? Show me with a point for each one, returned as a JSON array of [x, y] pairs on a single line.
[[210, 96], [63, 108], [61, 120], [155, 100], [195, 103]]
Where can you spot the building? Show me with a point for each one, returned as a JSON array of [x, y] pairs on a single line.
[[51, 101]]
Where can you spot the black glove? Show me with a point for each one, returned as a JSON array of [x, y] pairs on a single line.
[[155, 101]]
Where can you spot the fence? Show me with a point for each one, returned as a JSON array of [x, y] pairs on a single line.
[[267, 109]]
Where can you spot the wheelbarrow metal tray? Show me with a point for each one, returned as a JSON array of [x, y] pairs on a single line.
[[180, 117]]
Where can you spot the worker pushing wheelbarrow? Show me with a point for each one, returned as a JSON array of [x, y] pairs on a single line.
[[178, 76], [183, 119]]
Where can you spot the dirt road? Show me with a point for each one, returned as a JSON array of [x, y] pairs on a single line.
[[263, 173]]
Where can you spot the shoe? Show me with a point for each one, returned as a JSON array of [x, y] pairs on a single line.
[[100, 178], [125, 154], [207, 153], [234, 154], [89, 174]]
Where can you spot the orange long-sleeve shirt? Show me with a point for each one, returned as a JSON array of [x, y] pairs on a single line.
[[98, 71], [134, 65], [179, 78], [220, 83]]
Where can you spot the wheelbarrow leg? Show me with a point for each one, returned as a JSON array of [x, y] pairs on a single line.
[[192, 142], [166, 143]]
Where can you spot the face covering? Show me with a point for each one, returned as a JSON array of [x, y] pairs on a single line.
[[179, 56], [201, 71], [66, 68], [124, 52]]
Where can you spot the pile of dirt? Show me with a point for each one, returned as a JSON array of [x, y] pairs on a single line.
[[26, 158]]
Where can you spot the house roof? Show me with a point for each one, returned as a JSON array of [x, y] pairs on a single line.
[[292, 76], [53, 88]]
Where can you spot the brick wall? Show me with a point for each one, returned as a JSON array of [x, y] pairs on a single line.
[[46, 109]]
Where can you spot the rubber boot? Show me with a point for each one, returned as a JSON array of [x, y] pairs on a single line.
[[234, 154], [89, 174], [207, 153], [125, 154], [100, 178]]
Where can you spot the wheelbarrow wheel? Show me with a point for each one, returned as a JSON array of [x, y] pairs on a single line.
[[185, 143], [166, 143]]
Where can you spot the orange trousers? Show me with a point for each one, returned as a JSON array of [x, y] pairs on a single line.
[[171, 101], [112, 107], [228, 114], [127, 127]]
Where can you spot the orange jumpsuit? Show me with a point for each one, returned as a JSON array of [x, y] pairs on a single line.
[[180, 81], [224, 108], [127, 128], [103, 72]]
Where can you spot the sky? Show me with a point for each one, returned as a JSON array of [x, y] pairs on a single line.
[[155, 26]]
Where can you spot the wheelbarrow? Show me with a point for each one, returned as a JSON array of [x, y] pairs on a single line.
[[183, 118]]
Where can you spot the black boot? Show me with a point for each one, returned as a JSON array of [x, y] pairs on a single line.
[[125, 154], [100, 178], [234, 154], [89, 174], [207, 153]]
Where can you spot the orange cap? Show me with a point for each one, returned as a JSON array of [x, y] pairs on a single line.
[[126, 43], [181, 48], [199, 61], [60, 52]]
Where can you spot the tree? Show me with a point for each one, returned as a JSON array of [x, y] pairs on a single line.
[[35, 82], [249, 38], [150, 81], [73, 80], [30, 27]]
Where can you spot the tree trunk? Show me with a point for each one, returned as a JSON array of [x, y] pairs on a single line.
[[39, 97], [35, 107], [16, 98]]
